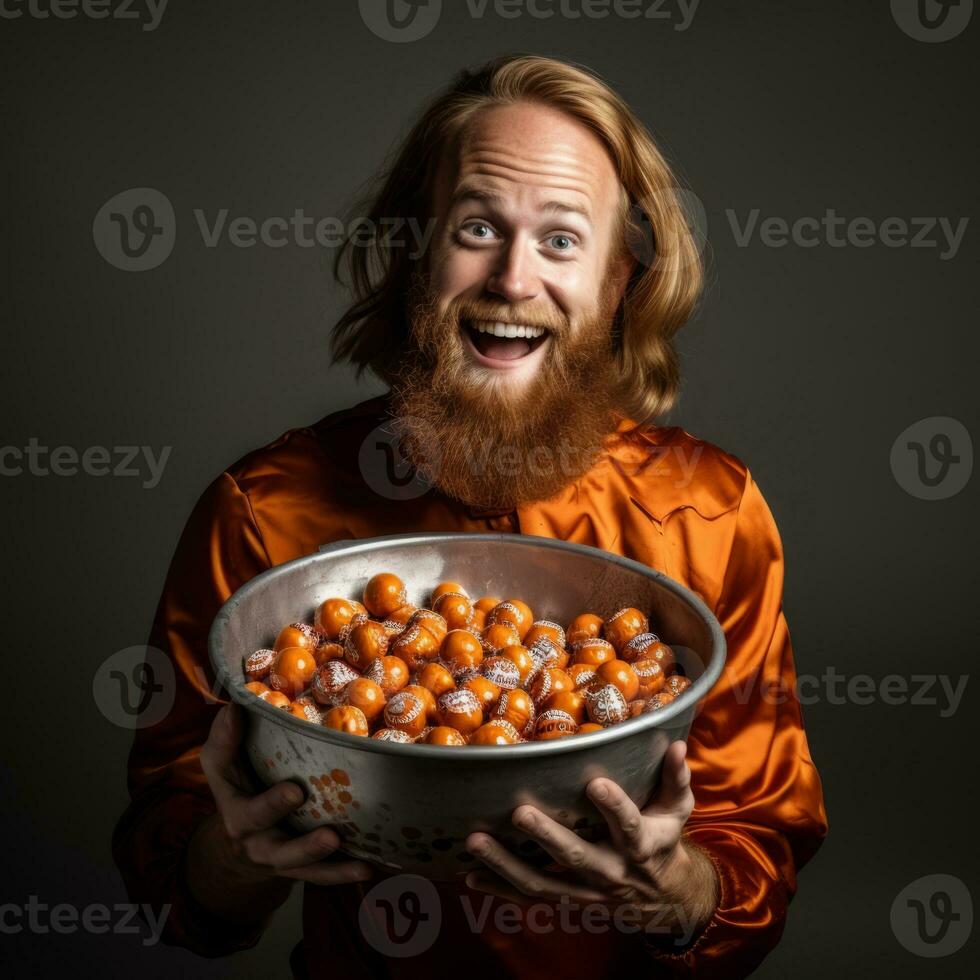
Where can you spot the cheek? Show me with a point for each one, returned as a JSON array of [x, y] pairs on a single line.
[[456, 271]]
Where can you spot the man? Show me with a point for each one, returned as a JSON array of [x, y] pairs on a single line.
[[526, 352]]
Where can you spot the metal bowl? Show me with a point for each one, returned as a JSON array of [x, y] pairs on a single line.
[[410, 807]]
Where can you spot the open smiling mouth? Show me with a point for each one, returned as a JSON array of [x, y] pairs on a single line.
[[497, 341]]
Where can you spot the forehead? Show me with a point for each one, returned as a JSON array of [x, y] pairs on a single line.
[[532, 152]]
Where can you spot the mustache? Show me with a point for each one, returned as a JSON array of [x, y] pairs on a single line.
[[533, 316]]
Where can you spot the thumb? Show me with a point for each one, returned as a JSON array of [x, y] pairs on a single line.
[[674, 796]]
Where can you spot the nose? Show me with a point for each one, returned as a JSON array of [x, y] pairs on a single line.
[[514, 278]]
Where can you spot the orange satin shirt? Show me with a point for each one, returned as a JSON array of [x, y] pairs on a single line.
[[657, 495]]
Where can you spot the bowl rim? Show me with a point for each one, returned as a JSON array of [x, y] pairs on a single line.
[[472, 753]]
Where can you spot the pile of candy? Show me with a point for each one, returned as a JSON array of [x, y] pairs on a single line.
[[462, 672]]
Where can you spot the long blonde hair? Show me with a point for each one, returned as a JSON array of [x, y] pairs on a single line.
[[663, 286]]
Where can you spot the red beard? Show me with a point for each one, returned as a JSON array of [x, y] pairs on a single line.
[[495, 446]]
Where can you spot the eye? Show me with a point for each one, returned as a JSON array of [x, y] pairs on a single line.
[[561, 242], [479, 230]]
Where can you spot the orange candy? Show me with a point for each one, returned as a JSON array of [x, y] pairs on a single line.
[[620, 674], [623, 625], [258, 664], [330, 681], [364, 642], [389, 673], [428, 700], [333, 615], [545, 628], [298, 635], [571, 702], [550, 681], [461, 648], [292, 672], [519, 655], [554, 724], [445, 588], [257, 688], [460, 710], [347, 718], [651, 677], [497, 636], [444, 735], [677, 684], [307, 709], [583, 627], [402, 614], [436, 678], [515, 612], [367, 695], [383, 594], [498, 731], [593, 651], [457, 610], [405, 712], [485, 603], [328, 650], [606, 705], [582, 675], [659, 701], [391, 735], [502, 672], [589, 726], [515, 707], [432, 622], [415, 645], [484, 689]]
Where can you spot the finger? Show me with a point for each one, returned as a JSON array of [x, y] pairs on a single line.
[[674, 796], [221, 754], [331, 873], [492, 884], [279, 851], [528, 880], [244, 815], [631, 832], [565, 846]]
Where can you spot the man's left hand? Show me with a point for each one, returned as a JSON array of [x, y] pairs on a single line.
[[644, 863]]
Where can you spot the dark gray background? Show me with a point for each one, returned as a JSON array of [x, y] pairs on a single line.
[[806, 363]]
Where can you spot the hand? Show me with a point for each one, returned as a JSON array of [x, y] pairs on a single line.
[[239, 861], [644, 864]]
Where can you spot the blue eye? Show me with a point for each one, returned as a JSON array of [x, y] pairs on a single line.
[[561, 243], [479, 230]]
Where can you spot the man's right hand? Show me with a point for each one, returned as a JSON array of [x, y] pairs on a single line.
[[240, 864]]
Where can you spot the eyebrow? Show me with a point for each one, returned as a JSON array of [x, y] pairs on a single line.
[[491, 197]]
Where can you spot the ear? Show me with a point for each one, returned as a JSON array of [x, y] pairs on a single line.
[[620, 270]]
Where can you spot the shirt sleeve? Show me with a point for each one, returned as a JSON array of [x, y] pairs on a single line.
[[759, 812], [219, 550]]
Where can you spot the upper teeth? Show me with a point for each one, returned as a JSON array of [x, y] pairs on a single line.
[[508, 329]]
